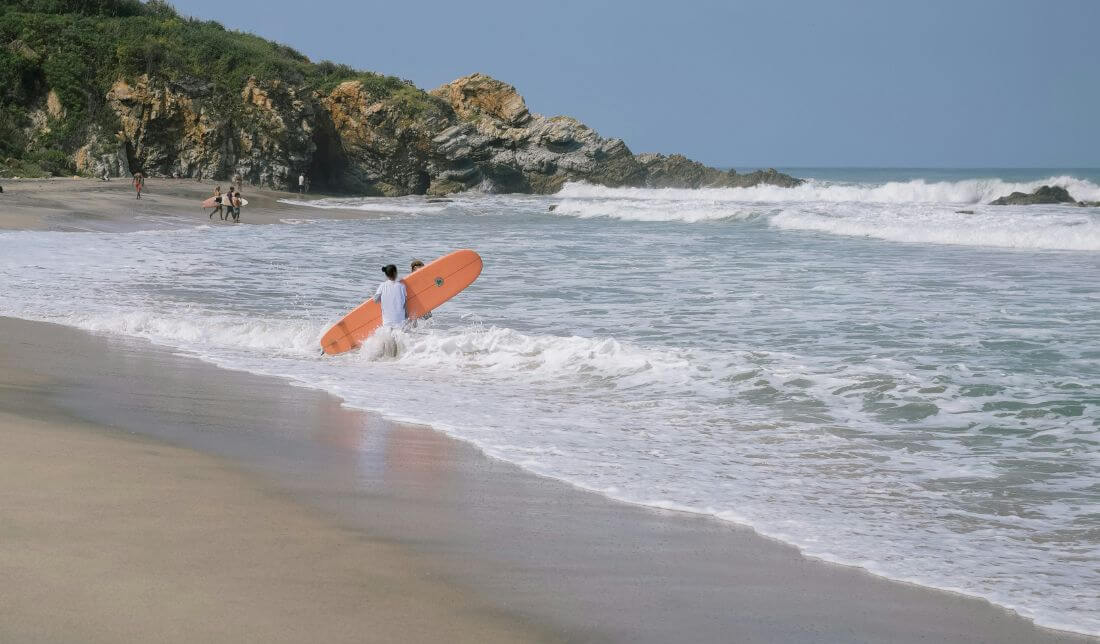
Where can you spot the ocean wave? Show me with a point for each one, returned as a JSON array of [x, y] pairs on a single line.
[[412, 205], [1064, 230], [968, 191], [566, 360], [913, 211], [201, 332]]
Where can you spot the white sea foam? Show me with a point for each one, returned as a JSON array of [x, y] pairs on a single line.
[[1065, 229], [968, 191], [415, 205], [912, 212]]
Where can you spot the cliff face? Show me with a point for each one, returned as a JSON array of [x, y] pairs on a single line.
[[131, 86], [499, 146], [475, 133], [117, 86], [171, 130]]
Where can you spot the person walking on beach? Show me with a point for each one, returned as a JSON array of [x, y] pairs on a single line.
[[230, 198], [391, 295], [218, 201], [237, 207], [301, 184], [139, 183]]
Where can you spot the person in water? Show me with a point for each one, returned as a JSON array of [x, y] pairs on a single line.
[[413, 267], [217, 200], [391, 296], [139, 183]]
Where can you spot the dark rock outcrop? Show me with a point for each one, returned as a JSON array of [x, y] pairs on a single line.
[[497, 145], [678, 171], [1042, 195]]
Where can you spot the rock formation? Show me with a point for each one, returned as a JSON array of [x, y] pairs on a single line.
[[171, 130], [130, 86], [1042, 195], [678, 171], [499, 146], [474, 133]]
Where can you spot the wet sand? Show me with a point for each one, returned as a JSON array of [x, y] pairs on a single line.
[[339, 512], [107, 536]]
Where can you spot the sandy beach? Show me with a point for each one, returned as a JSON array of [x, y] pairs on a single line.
[[150, 496], [78, 204]]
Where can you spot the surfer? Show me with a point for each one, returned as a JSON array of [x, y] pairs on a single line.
[[237, 207], [217, 200], [139, 183], [229, 203], [391, 295], [416, 264]]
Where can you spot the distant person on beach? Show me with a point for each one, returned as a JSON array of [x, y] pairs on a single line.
[[106, 174], [237, 207], [237, 180], [301, 183], [230, 198], [139, 183], [391, 295], [217, 200]]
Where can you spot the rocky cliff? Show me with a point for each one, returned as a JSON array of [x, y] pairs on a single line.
[[475, 133], [117, 107]]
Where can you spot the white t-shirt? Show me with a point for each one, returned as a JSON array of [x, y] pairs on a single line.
[[301, 179], [391, 295]]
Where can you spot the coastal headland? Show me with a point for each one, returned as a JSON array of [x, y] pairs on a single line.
[[111, 88]]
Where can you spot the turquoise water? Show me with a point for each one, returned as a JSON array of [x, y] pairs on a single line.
[[853, 367]]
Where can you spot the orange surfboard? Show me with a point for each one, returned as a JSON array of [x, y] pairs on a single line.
[[425, 288]]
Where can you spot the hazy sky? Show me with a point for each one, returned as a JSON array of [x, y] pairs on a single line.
[[794, 83]]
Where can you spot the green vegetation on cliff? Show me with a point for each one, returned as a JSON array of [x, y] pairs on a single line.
[[59, 59], [112, 86]]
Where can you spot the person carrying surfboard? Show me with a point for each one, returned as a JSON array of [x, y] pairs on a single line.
[[229, 197], [391, 296], [237, 207], [416, 263], [217, 200]]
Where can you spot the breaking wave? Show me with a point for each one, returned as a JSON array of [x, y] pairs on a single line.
[[913, 212], [968, 191]]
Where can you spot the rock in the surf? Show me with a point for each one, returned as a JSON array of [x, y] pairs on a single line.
[[678, 171], [1042, 195]]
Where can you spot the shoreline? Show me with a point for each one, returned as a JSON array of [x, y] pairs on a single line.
[[535, 548], [89, 205], [111, 536]]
